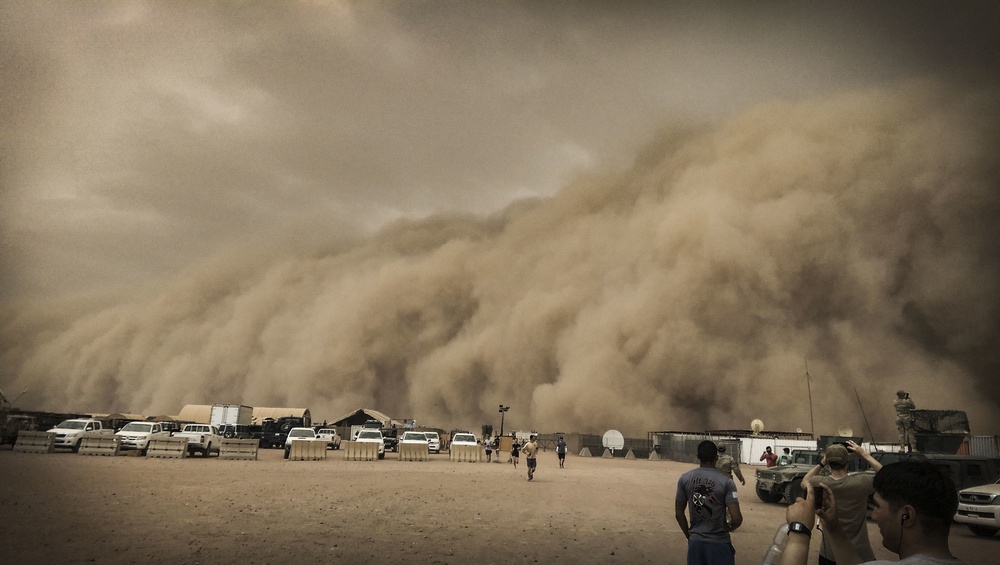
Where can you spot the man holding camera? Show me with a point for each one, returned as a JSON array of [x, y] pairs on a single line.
[[852, 491]]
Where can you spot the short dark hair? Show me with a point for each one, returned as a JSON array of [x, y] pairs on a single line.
[[707, 451], [920, 484]]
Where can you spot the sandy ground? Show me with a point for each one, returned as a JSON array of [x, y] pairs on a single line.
[[68, 508]]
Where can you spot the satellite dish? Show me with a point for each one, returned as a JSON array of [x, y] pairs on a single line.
[[757, 426], [845, 432], [613, 439], [798, 430]]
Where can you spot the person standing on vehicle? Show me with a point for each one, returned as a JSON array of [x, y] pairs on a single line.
[[852, 491], [904, 419], [530, 449], [561, 451], [728, 465], [769, 457], [707, 494]]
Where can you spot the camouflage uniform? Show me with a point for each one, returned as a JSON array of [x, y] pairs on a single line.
[[727, 466], [904, 420]]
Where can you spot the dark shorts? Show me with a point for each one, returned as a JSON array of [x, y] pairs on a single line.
[[531, 462], [561, 455], [515, 454], [702, 552]]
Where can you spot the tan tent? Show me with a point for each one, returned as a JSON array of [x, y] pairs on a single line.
[[198, 413]]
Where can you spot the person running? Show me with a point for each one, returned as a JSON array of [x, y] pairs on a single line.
[[515, 451], [530, 449], [561, 451]]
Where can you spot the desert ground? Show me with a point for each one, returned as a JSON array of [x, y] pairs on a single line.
[[69, 508]]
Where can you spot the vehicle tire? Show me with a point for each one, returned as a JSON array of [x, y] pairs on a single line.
[[983, 531], [207, 451], [793, 490], [286, 426], [76, 448], [144, 451], [229, 434], [767, 496], [381, 455], [286, 453]]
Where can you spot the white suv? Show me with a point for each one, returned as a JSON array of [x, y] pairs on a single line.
[[373, 436], [331, 437], [979, 508]]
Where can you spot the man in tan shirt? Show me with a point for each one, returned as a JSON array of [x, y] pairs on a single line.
[[852, 491], [529, 450]]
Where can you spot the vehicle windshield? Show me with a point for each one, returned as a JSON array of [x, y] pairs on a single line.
[[301, 433], [137, 427], [466, 438], [196, 429], [414, 436], [370, 435], [71, 425], [328, 432], [431, 435]]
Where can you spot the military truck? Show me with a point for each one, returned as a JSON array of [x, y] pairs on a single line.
[[11, 424], [784, 482], [272, 432]]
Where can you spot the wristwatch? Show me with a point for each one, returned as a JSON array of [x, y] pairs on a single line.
[[799, 528]]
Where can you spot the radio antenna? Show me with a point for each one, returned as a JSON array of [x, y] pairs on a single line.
[[870, 434], [812, 422]]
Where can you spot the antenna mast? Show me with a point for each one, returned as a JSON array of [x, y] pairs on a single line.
[[812, 422], [871, 436]]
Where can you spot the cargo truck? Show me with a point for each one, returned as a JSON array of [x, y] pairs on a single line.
[[232, 420]]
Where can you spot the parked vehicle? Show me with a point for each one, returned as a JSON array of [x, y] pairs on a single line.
[[413, 437], [136, 435], [979, 509], [464, 439], [274, 432], [295, 434], [330, 436], [373, 436], [433, 442], [11, 424], [69, 433], [232, 420], [201, 438]]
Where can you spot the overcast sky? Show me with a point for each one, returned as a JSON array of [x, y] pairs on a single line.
[[146, 144]]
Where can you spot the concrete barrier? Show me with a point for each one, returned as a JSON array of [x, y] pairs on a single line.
[[607, 454], [35, 442], [585, 452], [98, 443], [359, 451], [168, 448], [630, 455], [245, 449], [654, 456], [414, 452], [466, 453], [307, 450]]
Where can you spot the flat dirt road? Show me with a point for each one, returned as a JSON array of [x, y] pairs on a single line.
[[68, 508]]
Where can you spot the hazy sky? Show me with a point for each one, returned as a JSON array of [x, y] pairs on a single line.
[[165, 156]]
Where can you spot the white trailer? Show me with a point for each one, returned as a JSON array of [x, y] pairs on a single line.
[[232, 420]]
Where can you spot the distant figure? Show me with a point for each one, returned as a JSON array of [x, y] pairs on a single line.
[[515, 451], [706, 495], [488, 444], [852, 491], [769, 456], [496, 447], [561, 451], [785, 458], [904, 419], [729, 466], [530, 449]]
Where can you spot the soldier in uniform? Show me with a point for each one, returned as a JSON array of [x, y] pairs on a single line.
[[904, 420], [727, 465]]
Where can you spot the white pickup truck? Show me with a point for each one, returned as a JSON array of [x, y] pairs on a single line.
[[69, 433], [136, 435], [202, 438]]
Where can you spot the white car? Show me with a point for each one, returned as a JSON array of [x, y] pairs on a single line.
[[307, 434], [433, 441], [979, 508], [136, 435], [330, 436], [373, 436], [464, 439]]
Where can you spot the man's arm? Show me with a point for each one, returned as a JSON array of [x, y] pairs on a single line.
[[812, 472], [735, 515], [874, 463], [737, 472], [681, 517], [796, 550]]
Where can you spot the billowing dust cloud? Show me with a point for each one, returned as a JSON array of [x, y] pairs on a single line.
[[856, 234]]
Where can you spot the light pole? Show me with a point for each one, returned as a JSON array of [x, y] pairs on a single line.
[[503, 410]]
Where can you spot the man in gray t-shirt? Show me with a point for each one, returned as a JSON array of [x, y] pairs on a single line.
[[706, 494]]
